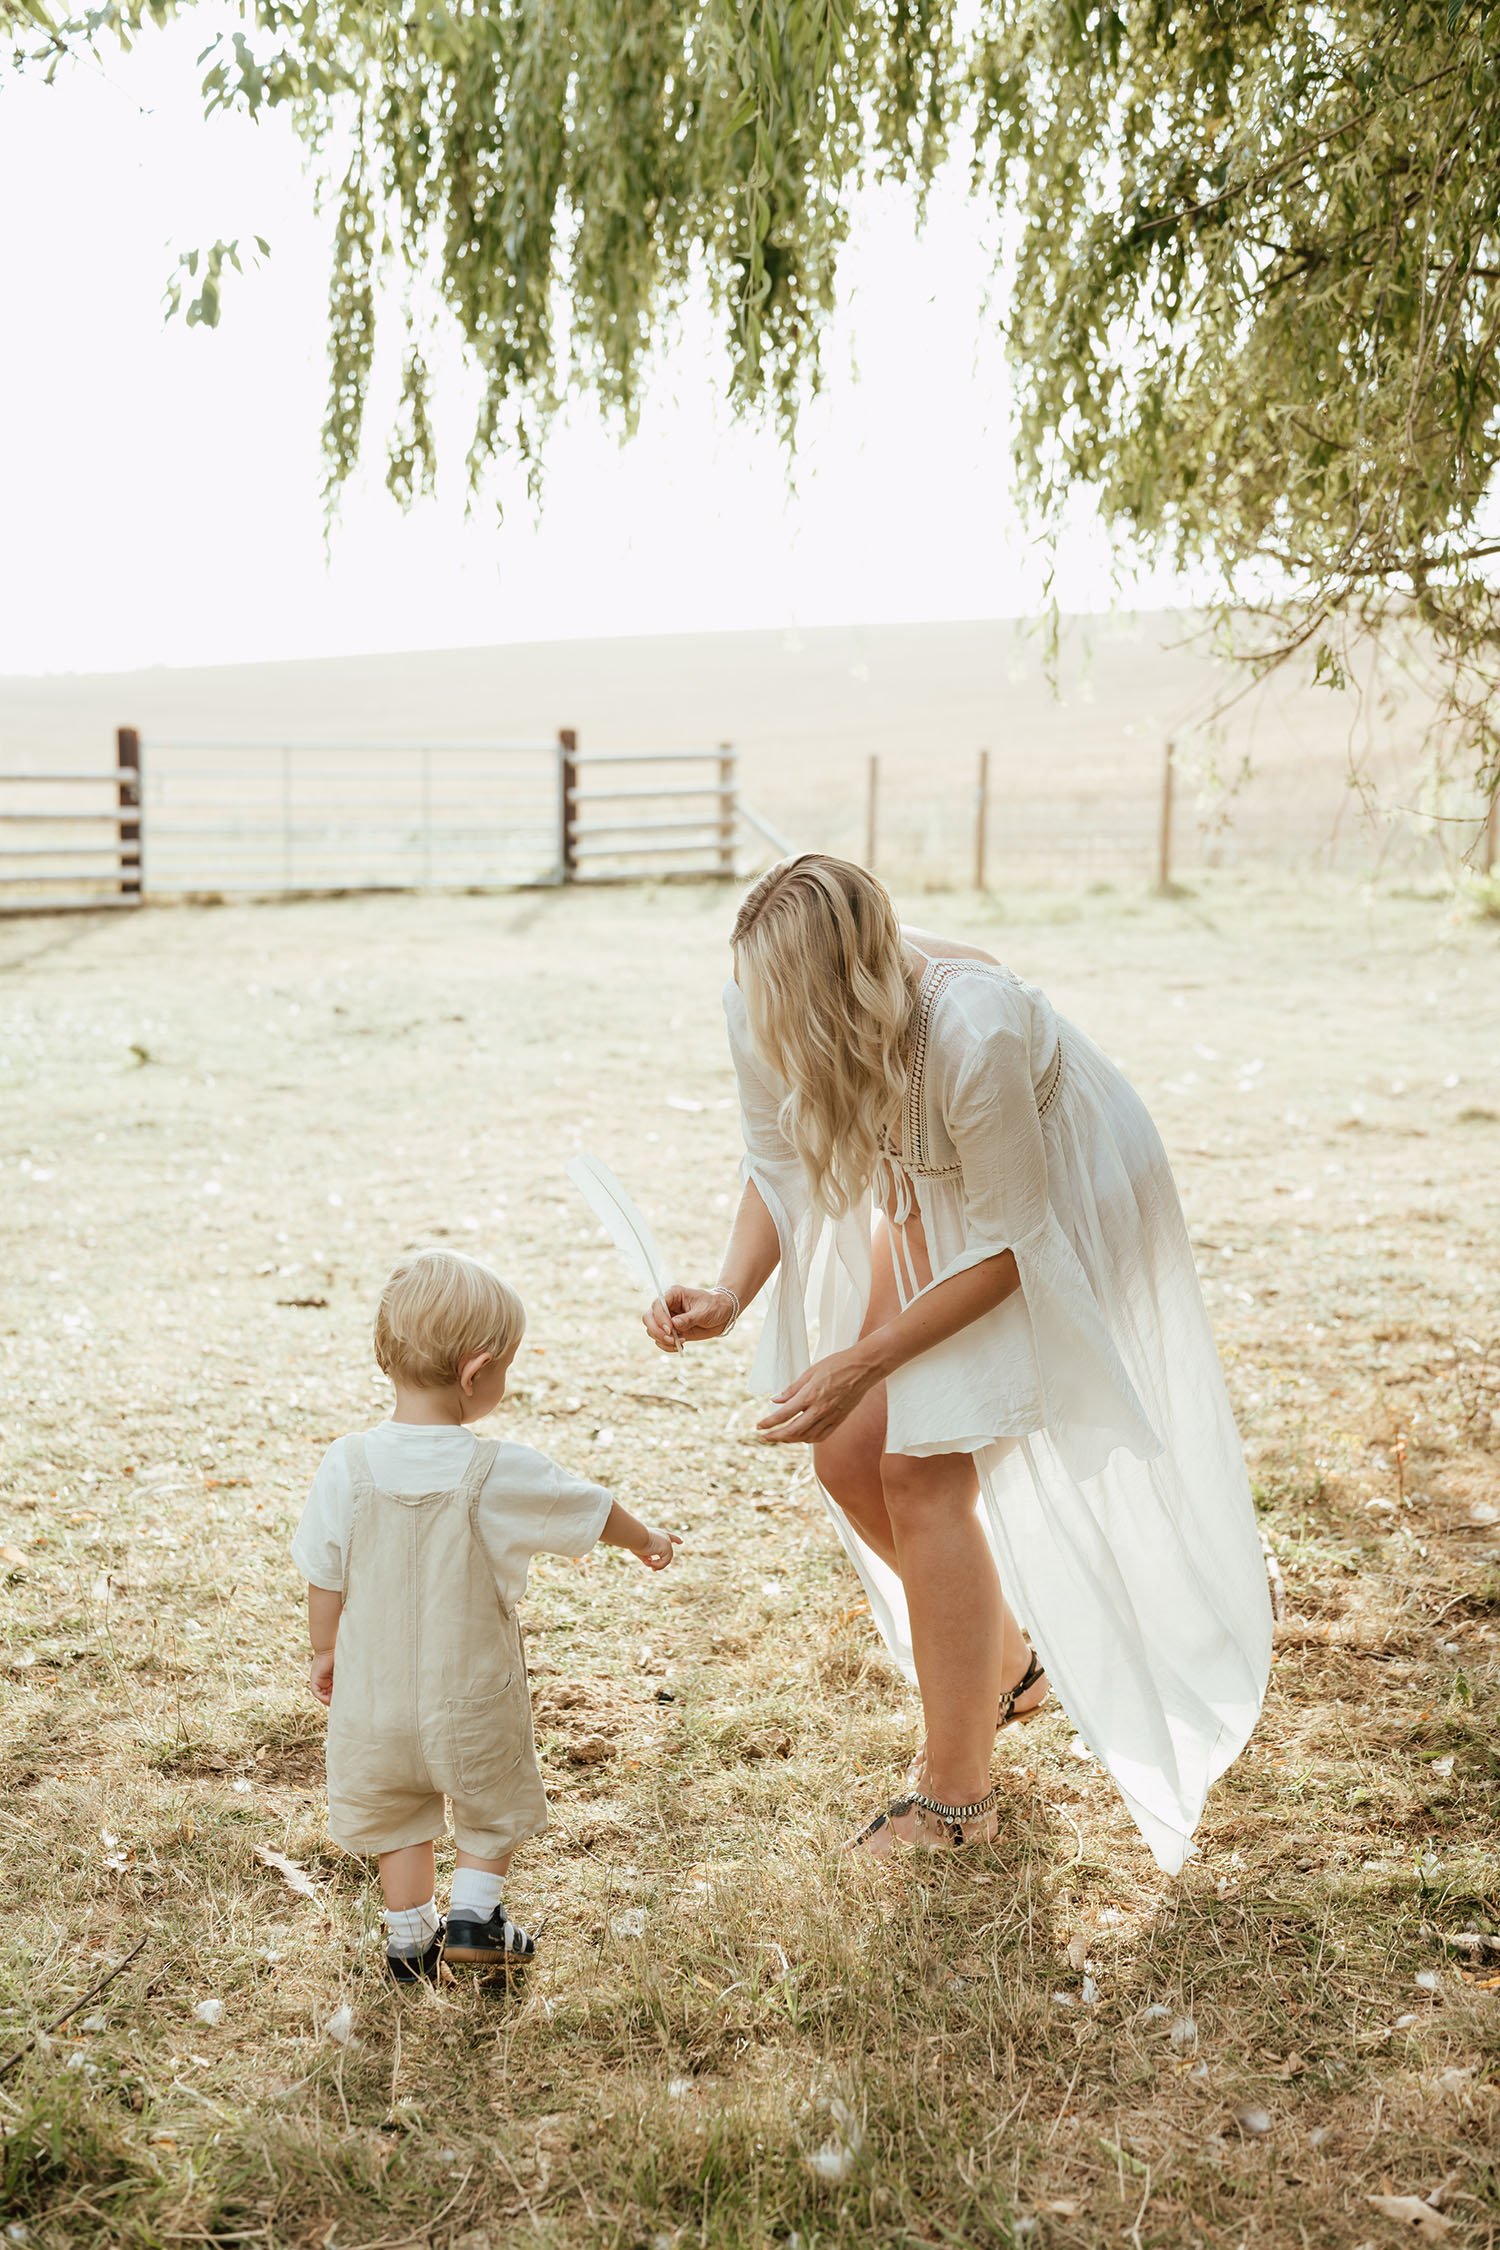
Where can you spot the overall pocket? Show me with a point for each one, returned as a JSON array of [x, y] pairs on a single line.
[[487, 1735]]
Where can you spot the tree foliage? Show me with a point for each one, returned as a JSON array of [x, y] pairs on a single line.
[[1255, 293]]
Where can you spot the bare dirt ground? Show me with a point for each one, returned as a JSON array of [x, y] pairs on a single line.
[[218, 1129]]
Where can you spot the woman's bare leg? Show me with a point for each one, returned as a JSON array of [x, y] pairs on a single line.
[[958, 1619], [847, 1464], [920, 1517]]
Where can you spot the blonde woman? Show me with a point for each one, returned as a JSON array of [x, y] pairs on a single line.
[[1015, 1383]]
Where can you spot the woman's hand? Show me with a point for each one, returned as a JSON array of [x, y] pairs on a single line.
[[813, 1407], [688, 1316]]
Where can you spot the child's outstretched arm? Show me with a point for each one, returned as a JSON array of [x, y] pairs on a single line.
[[654, 1548], [324, 1609]]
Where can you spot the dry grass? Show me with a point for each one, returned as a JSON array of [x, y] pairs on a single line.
[[219, 1128]]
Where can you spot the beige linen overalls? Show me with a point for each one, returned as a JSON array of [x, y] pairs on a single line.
[[430, 1698]]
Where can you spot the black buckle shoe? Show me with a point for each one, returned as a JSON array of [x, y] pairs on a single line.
[[417, 1968], [497, 1943]]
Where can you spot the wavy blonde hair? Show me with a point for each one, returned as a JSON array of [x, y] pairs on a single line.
[[820, 960]]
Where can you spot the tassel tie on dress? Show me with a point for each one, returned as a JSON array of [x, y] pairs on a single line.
[[894, 1190]]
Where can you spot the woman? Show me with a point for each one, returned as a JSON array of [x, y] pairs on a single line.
[[1016, 1384]]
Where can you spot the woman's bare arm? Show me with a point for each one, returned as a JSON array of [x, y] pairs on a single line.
[[753, 1251], [818, 1401], [940, 1312], [691, 1316]]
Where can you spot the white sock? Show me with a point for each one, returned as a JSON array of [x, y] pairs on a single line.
[[409, 1930], [475, 1893]]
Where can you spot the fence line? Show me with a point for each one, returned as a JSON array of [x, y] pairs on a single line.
[[277, 815], [72, 855], [185, 816]]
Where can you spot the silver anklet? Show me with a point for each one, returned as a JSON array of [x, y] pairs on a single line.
[[956, 1813], [722, 1289]]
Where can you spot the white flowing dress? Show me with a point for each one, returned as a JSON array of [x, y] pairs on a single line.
[[1112, 1483]]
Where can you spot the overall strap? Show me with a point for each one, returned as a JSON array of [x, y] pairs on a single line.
[[481, 1461], [471, 1491], [365, 1490], [359, 1468]]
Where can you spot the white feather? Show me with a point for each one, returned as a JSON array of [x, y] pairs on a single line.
[[628, 1231]]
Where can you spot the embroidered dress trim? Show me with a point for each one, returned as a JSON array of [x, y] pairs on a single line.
[[912, 1159]]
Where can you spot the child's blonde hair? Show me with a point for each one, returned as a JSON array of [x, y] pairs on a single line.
[[438, 1309]]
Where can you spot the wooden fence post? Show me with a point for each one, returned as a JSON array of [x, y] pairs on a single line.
[[728, 809], [128, 793], [1164, 834], [872, 795], [981, 819], [567, 804]]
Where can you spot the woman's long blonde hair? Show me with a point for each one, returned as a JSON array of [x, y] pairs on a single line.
[[820, 960]]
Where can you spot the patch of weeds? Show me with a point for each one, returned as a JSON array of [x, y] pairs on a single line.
[[57, 2140], [1293, 1483]]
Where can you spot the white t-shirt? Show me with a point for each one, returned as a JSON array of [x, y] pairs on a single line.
[[528, 1506]]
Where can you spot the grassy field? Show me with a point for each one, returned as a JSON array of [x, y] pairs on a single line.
[[218, 1129]]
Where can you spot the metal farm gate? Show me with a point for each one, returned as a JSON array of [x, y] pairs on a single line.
[[180, 817], [260, 818]]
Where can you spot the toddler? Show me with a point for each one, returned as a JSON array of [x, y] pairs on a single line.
[[415, 1543]]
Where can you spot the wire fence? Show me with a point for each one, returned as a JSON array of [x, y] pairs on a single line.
[[978, 821], [182, 817], [188, 816], [262, 817]]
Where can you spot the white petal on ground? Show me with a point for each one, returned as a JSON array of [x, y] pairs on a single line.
[[1411, 2211], [1253, 2120], [295, 1878], [1184, 2035], [340, 2025], [835, 2160], [630, 1924], [209, 2011]]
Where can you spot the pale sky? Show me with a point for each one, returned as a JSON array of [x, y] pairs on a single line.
[[160, 493]]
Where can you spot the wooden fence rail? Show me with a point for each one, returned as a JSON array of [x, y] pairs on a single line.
[[58, 851], [629, 845]]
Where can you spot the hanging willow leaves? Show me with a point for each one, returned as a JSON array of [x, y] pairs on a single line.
[[1251, 298]]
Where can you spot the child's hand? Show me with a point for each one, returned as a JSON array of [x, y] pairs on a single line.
[[320, 1674], [659, 1549]]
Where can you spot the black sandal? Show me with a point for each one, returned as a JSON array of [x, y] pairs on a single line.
[[954, 1818], [1009, 1715], [494, 1942]]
